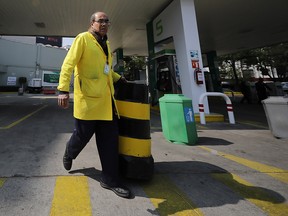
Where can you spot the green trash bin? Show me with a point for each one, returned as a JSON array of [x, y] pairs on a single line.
[[177, 119]]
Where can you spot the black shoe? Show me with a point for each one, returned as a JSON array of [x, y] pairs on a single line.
[[119, 190], [67, 161]]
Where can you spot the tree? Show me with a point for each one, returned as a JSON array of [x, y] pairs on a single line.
[[132, 66], [280, 60], [265, 59], [228, 66]]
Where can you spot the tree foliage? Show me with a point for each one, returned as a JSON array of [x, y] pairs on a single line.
[[264, 59], [132, 66]]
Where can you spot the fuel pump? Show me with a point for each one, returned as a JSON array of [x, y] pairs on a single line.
[[163, 83], [167, 73]]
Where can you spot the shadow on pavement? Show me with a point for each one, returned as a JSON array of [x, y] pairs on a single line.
[[212, 141], [195, 183], [204, 185]]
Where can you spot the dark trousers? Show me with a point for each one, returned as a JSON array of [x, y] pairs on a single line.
[[106, 133]]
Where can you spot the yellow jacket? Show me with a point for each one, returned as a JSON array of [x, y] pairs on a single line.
[[93, 89]]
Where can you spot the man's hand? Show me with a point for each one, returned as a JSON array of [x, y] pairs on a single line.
[[123, 79], [63, 100]]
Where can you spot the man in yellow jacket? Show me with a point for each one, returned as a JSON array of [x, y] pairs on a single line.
[[95, 110]]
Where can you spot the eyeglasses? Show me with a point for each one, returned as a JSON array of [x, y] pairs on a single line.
[[103, 21]]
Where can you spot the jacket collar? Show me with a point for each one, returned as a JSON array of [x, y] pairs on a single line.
[[98, 37]]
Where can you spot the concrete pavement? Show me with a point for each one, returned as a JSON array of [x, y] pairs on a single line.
[[233, 170]]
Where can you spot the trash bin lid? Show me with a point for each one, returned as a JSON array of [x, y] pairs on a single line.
[[176, 98], [276, 100]]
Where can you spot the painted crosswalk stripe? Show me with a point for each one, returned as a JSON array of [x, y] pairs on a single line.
[[2, 180], [71, 197], [281, 175], [260, 197], [168, 199]]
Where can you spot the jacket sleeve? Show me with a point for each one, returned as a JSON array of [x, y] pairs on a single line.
[[72, 58], [115, 76]]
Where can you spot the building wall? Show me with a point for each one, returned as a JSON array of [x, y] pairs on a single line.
[[27, 60], [22, 39]]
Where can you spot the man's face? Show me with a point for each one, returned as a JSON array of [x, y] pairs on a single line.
[[101, 23]]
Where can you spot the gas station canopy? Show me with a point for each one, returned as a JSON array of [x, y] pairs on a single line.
[[224, 26]]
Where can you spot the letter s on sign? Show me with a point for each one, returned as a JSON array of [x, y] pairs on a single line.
[[159, 28]]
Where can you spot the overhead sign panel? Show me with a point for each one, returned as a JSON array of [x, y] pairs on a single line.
[[53, 41]]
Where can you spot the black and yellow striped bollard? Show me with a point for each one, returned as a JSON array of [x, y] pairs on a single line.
[[135, 156]]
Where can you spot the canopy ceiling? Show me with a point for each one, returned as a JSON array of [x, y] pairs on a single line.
[[224, 25]]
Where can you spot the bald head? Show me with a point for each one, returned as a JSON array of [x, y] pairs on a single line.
[[96, 16], [99, 23]]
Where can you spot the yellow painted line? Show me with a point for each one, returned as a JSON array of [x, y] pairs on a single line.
[[168, 199], [135, 147], [71, 197], [201, 127], [234, 93], [210, 117], [22, 119], [9, 93], [256, 195], [281, 175], [134, 110], [2, 180], [253, 124]]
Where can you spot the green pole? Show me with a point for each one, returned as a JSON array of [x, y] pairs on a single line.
[[214, 70], [151, 62], [120, 61]]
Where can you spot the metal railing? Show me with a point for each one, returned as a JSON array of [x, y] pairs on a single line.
[[228, 103]]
